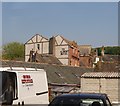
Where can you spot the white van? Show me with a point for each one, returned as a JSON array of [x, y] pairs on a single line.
[[23, 86]]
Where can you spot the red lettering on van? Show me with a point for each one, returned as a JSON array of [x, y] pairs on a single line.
[[27, 79]]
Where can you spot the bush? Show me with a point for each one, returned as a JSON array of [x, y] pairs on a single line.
[[13, 50]]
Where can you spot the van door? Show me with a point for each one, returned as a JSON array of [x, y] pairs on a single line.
[[8, 87]]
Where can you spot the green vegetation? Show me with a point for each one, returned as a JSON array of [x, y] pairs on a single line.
[[13, 51], [115, 50]]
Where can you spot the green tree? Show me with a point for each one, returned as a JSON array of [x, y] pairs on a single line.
[[13, 51], [111, 50]]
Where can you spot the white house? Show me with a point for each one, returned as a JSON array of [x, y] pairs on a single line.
[[38, 44], [66, 51]]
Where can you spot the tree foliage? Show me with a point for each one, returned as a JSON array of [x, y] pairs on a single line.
[[112, 50], [13, 50], [115, 50]]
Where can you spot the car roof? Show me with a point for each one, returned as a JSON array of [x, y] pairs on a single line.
[[84, 95]]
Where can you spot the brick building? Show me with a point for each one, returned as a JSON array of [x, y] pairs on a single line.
[[86, 60]]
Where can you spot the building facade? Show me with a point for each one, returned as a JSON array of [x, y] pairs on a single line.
[[38, 44], [66, 51], [86, 60]]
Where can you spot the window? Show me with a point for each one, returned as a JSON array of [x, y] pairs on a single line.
[[64, 52], [38, 46]]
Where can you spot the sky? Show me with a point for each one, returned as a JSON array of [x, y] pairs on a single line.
[[87, 23]]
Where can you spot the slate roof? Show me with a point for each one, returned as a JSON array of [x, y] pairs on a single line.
[[47, 58], [55, 73]]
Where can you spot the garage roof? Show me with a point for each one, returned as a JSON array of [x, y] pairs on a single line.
[[101, 75]]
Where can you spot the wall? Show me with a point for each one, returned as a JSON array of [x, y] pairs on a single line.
[[85, 61], [61, 50], [101, 85], [36, 43], [73, 56], [90, 85], [52, 45], [112, 89], [66, 51]]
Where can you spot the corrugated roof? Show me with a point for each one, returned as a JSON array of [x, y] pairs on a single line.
[[101, 75]]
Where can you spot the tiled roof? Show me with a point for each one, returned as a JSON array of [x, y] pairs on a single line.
[[101, 75]]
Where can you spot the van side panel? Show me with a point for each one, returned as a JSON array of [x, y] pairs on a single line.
[[32, 87]]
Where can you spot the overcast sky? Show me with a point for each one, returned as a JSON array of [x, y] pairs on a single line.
[[93, 23]]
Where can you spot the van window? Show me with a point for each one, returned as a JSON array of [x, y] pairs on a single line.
[[8, 82]]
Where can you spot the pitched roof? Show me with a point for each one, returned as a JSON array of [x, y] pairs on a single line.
[[71, 43], [47, 58], [34, 36], [55, 73]]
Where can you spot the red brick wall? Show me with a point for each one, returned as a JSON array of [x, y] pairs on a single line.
[[73, 56]]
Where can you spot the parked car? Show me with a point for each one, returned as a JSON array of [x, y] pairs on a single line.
[[82, 99]]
